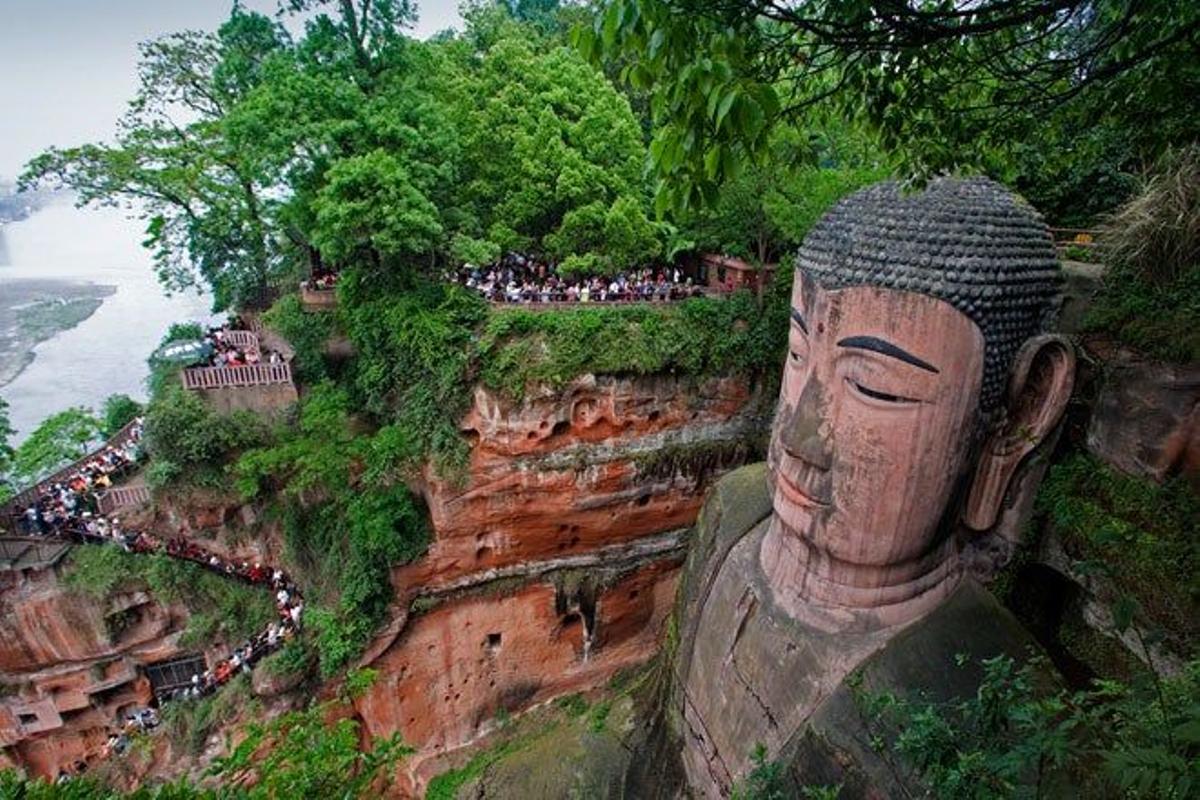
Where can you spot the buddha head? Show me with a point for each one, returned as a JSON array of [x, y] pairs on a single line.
[[919, 377]]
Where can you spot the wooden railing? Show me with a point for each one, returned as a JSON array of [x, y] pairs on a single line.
[[229, 377], [559, 304], [28, 496], [123, 497], [1074, 237], [318, 299], [246, 340]]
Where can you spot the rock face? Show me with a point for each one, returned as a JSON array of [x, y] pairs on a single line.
[[69, 665], [554, 565], [1146, 420], [478, 656], [607, 459]]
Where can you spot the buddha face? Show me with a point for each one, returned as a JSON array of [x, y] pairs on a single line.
[[877, 413]]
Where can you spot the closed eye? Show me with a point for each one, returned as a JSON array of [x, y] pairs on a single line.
[[884, 396]]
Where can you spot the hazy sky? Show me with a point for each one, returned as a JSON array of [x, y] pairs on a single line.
[[67, 67]]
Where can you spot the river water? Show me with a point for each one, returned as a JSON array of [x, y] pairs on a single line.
[[106, 353]]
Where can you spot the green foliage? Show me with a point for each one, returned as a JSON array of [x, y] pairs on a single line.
[[1006, 89], [414, 350], [205, 202], [7, 488], [294, 658], [190, 723], [552, 154], [343, 533], [446, 785], [698, 337], [371, 207], [184, 435], [306, 333], [765, 211], [598, 716], [1017, 737], [60, 439], [1141, 535], [297, 754], [1151, 245], [219, 610], [766, 781], [573, 704], [117, 411], [358, 682], [301, 755]]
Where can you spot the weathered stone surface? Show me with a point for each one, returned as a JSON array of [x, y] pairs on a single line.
[[43, 625], [921, 661], [1146, 419], [267, 683], [70, 666], [454, 668], [919, 381], [604, 460]]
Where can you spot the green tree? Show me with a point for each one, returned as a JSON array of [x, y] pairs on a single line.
[[370, 209], [207, 204], [551, 154], [948, 86], [7, 488], [117, 411], [56, 442]]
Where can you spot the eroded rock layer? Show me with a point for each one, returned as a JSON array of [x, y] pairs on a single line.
[[504, 647], [605, 460], [70, 666]]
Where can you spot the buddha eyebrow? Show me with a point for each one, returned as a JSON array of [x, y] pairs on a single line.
[[886, 348], [799, 320]]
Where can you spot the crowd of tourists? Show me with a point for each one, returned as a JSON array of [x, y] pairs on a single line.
[[321, 279], [289, 604], [62, 506], [120, 737], [224, 353], [68, 510], [519, 279]]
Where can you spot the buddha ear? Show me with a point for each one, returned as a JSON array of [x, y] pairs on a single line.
[[1042, 377]]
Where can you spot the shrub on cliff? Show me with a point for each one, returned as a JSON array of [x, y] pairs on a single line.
[[347, 521], [1151, 297], [700, 337], [188, 439]]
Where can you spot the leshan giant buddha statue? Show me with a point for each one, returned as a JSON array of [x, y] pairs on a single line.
[[919, 379]]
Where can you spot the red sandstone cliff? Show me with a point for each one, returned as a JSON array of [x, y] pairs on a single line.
[[605, 460]]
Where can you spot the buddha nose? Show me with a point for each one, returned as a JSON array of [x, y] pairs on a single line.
[[804, 432]]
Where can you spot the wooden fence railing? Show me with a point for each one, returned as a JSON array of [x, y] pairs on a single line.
[[243, 339], [123, 497], [229, 377], [1074, 237], [560, 304], [318, 299], [25, 498]]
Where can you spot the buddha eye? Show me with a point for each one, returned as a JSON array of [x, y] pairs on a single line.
[[795, 357], [877, 395]]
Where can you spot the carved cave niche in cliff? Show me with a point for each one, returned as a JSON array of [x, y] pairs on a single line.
[[471, 435]]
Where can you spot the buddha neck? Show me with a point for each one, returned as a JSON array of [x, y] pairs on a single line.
[[832, 595]]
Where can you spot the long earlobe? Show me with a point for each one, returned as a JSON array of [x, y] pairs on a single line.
[[1042, 378]]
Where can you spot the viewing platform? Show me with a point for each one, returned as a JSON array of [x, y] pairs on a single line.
[[621, 302], [312, 299], [1065, 238], [262, 387]]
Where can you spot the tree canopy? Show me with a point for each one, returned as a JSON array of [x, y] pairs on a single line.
[[945, 84]]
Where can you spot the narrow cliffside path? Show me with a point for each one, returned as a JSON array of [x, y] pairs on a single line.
[[65, 509]]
